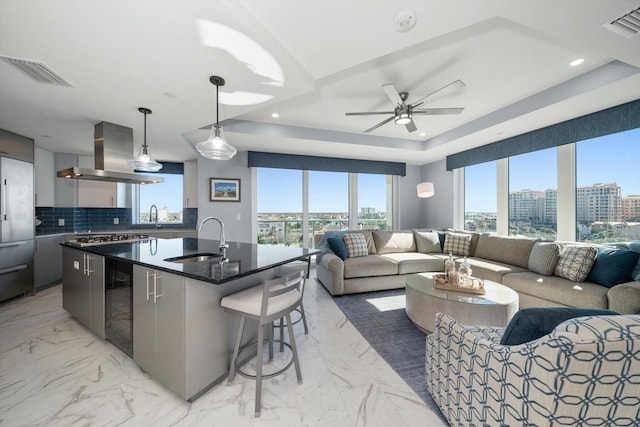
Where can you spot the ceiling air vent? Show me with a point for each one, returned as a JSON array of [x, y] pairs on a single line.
[[37, 71], [627, 25]]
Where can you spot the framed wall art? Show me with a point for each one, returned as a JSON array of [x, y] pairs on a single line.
[[224, 190]]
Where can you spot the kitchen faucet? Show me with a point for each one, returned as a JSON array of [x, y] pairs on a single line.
[[223, 244], [150, 215]]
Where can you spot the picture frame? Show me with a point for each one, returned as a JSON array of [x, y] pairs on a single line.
[[224, 189]]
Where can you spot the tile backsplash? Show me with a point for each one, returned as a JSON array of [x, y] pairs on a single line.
[[84, 220]]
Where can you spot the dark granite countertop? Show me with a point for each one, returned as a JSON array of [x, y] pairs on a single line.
[[244, 258]]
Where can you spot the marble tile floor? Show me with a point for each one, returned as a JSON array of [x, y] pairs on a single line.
[[54, 372]]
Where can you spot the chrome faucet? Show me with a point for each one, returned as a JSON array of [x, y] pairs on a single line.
[[150, 214], [223, 244]]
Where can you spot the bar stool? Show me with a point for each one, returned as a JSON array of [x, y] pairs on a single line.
[[285, 270], [273, 300]]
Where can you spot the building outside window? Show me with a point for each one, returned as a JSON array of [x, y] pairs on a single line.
[[374, 201], [480, 200], [279, 206], [167, 196]]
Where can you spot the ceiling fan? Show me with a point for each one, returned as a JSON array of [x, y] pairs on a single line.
[[403, 111]]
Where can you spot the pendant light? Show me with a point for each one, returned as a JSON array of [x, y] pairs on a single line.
[[215, 147], [143, 161]]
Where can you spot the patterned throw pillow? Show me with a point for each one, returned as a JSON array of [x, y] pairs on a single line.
[[544, 258], [457, 244], [356, 244], [575, 262]]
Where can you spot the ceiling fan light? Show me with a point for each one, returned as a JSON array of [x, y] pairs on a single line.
[[215, 147], [403, 118]]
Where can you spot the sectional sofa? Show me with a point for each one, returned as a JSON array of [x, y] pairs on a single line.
[[542, 273]]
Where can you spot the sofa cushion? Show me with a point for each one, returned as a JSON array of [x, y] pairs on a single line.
[[415, 262], [558, 290], [575, 262], [394, 241], [427, 241], [490, 270], [544, 258], [612, 266], [356, 244], [530, 324], [338, 247], [367, 266], [457, 244], [509, 250]]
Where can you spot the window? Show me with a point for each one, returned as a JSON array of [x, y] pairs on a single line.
[[608, 188], [480, 201], [167, 196], [533, 194], [328, 200], [279, 206], [374, 201]]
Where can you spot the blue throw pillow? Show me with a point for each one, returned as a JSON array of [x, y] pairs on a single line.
[[323, 245], [338, 247], [530, 324], [612, 267]]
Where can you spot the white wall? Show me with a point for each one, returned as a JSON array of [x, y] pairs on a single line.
[[408, 204], [437, 211], [235, 230]]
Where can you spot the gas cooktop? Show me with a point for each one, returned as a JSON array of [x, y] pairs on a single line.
[[106, 239]]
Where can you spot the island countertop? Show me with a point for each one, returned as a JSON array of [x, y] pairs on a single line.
[[244, 258]]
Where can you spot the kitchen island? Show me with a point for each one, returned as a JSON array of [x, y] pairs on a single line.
[[158, 300]]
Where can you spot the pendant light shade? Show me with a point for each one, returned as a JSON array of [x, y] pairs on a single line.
[[425, 189], [143, 161], [215, 147]]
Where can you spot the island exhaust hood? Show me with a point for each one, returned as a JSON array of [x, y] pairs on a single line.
[[113, 146]]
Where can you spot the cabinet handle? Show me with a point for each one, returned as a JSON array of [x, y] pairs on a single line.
[[148, 285], [155, 287], [84, 265], [89, 270], [113, 201]]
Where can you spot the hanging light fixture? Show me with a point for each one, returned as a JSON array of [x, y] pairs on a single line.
[[425, 189], [143, 161], [215, 147]]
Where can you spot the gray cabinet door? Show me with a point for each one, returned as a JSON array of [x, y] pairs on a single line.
[[170, 331], [144, 319], [76, 287], [48, 260], [95, 270]]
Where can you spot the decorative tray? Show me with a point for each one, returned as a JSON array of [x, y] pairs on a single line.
[[470, 285]]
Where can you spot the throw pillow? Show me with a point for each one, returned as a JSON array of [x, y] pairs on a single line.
[[356, 244], [323, 244], [530, 324], [612, 267], [338, 247], [457, 244], [544, 258], [575, 262], [427, 242]]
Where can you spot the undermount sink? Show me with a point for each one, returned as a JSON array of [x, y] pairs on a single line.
[[193, 258]]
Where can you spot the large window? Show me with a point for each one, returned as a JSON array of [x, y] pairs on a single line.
[[166, 196], [329, 200], [280, 206], [374, 201], [608, 188], [480, 201], [533, 194]]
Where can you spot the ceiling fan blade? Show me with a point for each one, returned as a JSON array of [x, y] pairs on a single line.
[[438, 111], [384, 122], [369, 113], [411, 126], [451, 87], [392, 94]]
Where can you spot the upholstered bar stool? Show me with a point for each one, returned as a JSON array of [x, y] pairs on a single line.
[[275, 299], [285, 270]]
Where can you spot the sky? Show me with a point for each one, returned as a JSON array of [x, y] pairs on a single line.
[[611, 158]]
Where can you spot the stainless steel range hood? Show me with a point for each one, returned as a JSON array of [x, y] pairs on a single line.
[[113, 146]]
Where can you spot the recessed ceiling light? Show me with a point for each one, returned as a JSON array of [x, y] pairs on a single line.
[[423, 134], [170, 95], [576, 62], [405, 19], [275, 115]]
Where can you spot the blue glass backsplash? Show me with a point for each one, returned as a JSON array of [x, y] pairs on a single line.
[[83, 220]]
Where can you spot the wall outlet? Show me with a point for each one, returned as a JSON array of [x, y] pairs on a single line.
[[116, 221], [61, 222], [237, 217]]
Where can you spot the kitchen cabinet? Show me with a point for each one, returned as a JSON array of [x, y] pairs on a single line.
[[159, 329], [48, 260], [83, 288], [45, 176], [96, 194], [190, 180]]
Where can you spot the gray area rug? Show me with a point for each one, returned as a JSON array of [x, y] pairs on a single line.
[[380, 317]]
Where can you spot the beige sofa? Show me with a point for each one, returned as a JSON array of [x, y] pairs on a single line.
[[393, 255]]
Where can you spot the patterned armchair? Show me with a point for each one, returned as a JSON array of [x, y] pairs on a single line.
[[585, 372]]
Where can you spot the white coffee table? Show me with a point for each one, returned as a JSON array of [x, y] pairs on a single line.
[[495, 308]]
